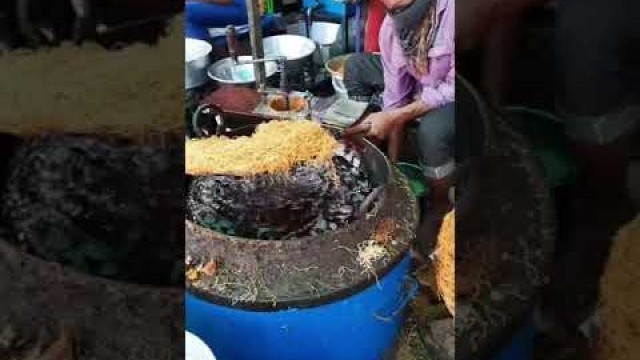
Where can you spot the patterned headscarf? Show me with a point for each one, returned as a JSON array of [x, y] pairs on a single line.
[[417, 26]]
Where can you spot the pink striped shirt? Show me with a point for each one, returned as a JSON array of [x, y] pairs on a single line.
[[402, 84]]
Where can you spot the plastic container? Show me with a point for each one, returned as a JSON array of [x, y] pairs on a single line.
[[417, 181], [362, 326], [521, 346], [549, 142], [325, 34], [339, 88], [196, 349], [335, 67], [196, 62]]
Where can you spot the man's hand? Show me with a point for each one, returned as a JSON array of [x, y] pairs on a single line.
[[378, 125], [382, 124]]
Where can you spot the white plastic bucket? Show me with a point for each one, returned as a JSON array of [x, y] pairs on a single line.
[[339, 87], [337, 77], [196, 349]]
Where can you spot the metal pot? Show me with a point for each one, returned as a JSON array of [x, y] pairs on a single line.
[[297, 49], [196, 62], [223, 71]]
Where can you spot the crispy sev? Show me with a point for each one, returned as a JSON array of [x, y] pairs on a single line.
[[619, 294], [384, 232], [275, 147], [369, 252], [445, 261]]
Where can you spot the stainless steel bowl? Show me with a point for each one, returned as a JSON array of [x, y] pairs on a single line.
[[297, 49], [196, 62], [223, 71]]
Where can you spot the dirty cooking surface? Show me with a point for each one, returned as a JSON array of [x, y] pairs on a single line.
[[67, 224], [98, 204], [69, 309], [309, 200], [267, 272]]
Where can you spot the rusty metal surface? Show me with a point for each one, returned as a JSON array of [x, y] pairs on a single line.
[[236, 101], [108, 320], [103, 205], [251, 272]]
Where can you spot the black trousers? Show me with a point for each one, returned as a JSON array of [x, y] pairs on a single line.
[[364, 80]]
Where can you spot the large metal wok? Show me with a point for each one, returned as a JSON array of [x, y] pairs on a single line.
[[270, 204]]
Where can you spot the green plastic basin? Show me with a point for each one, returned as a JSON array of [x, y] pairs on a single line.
[[417, 181]]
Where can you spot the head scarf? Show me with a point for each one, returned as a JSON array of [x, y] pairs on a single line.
[[417, 25]]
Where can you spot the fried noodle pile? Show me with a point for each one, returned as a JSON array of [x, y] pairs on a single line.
[[445, 261], [275, 147], [619, 294]]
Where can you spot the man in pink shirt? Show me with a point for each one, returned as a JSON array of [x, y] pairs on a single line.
[[415, 75]]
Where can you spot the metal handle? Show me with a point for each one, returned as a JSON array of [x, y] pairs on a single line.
[[412, 286], [232, 43], [207, 109], [282, 67], [308, 96], [309, 17]]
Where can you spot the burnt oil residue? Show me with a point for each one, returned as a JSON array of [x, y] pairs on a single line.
[[309, 200], [341, 253], [304, 272], [103, 205], [9, 144]]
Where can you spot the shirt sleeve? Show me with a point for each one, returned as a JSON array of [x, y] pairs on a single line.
[[399, 85], [444, 92]]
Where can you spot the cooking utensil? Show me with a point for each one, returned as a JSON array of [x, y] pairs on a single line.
[[225, 72], [298, 50], [196, 62]]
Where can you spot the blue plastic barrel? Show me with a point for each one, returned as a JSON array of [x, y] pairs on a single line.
[[362, 326], [521, 345]]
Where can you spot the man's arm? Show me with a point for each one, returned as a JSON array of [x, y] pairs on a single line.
[[409, 112], [383, 123], [399, 118]]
